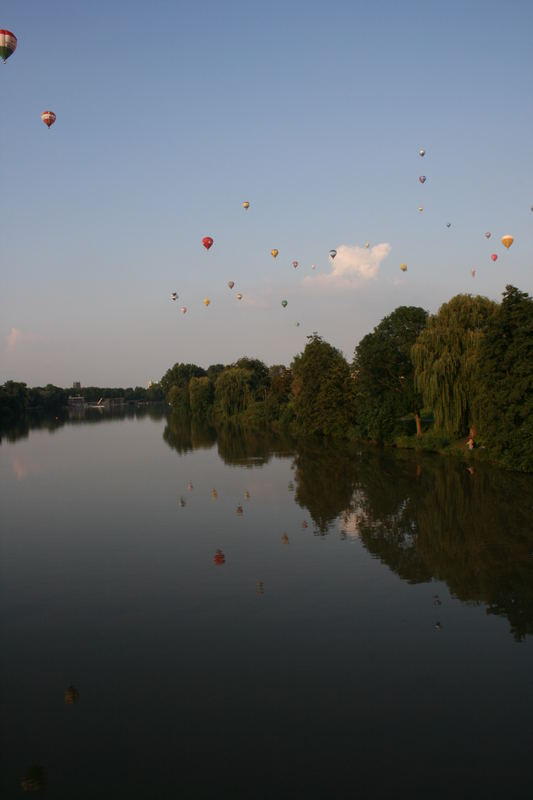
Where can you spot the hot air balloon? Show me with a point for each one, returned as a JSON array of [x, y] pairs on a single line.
[[448, 224], [219, 558], [473, 273], [207, 242], [274, 253], [48, 117], [297, 324], [284, 303], [207, 301], [294, 264], [422, 179], [8, 44], [174, 295], [494, 256], [231, 284], [507, 240], [367, 245], [313, 266], [488, 235], [246, 205], [71, 695], [183, 309], [422, 152], [284, 538], [239, 296], [420, 208], [403, 267], [332, 254]]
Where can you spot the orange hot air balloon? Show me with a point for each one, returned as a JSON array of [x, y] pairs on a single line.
[[494, 256], [238, 296], [207, 242], [403, 267], [48, 117], [274, 253], [207, 301], [246, 205], [507, 240]]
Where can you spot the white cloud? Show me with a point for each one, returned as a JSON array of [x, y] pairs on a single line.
[[351, 267], [18, 337]]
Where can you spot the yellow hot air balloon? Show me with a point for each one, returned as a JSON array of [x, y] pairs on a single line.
[[207, 301], [239, 296], [403, 267], [246, 205], [507, 240], [274, 253]]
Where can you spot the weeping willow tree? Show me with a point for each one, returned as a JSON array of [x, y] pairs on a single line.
[[446, 356]]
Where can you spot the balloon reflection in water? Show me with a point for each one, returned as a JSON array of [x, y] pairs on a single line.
[[284, 538], [260, 588], [71, 695], [181, 502], [219, 558], [239, 510], [34, 780], [214, 494]]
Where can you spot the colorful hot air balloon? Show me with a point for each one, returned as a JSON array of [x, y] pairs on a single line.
[[48, 117], [239, 296], [507, 240], [183, 309], [494, 256], [332, 254], [274, 253], [422, 152], [231, 284], [8, 44], [284, 303], [174, 296], [207, 301], [403, 267], [294, 264], [488, 235], [422, 179], [207, 242]]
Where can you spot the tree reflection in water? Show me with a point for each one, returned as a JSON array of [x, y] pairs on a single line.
[[425, 517]]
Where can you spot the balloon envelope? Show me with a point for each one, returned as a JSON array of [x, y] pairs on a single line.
[[274, 253], [231, 284], [294, 264], [494, 256], [422, 152], [239, 296], [246, 204], [420, 208], [332, 254], [507, 240], [488, 235], [207, 242], [8, 44], [184, 309], [48, 117], [284, 303], [422, 179], [403, 267], [473, 273], [207, 301]]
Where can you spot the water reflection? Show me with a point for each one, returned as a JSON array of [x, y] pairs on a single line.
[[425, 517]]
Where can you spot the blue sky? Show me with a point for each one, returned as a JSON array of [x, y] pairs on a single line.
[[170, 114]]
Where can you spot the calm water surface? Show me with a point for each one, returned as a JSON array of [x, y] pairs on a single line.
[[362, 629]]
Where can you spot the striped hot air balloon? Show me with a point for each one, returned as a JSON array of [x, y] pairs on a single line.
[[8, 44], [48, 117]]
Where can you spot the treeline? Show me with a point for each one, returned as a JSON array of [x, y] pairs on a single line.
[[17, 399], [415, 380]]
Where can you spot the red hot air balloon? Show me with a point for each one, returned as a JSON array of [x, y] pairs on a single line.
[[48, 117], [219, 558], [207, 242], [8, 44], [494, 256]]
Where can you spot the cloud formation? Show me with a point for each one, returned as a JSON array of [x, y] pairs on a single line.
[[351, 266], [18, 337]]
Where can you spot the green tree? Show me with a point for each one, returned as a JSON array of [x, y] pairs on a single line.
[[505, 398], [445, 357], [321, 389], [232, 392], [201, 395], [384, 373]]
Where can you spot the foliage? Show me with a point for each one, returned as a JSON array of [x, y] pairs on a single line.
[[321, 390], [446, 360], [180, 375], [201, 395], [505, 397], [231, 392], [384, 373]]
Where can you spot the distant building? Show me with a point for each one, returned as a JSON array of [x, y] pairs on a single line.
[[76, 386]]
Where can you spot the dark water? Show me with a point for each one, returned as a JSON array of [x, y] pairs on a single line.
[[367, 631]]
